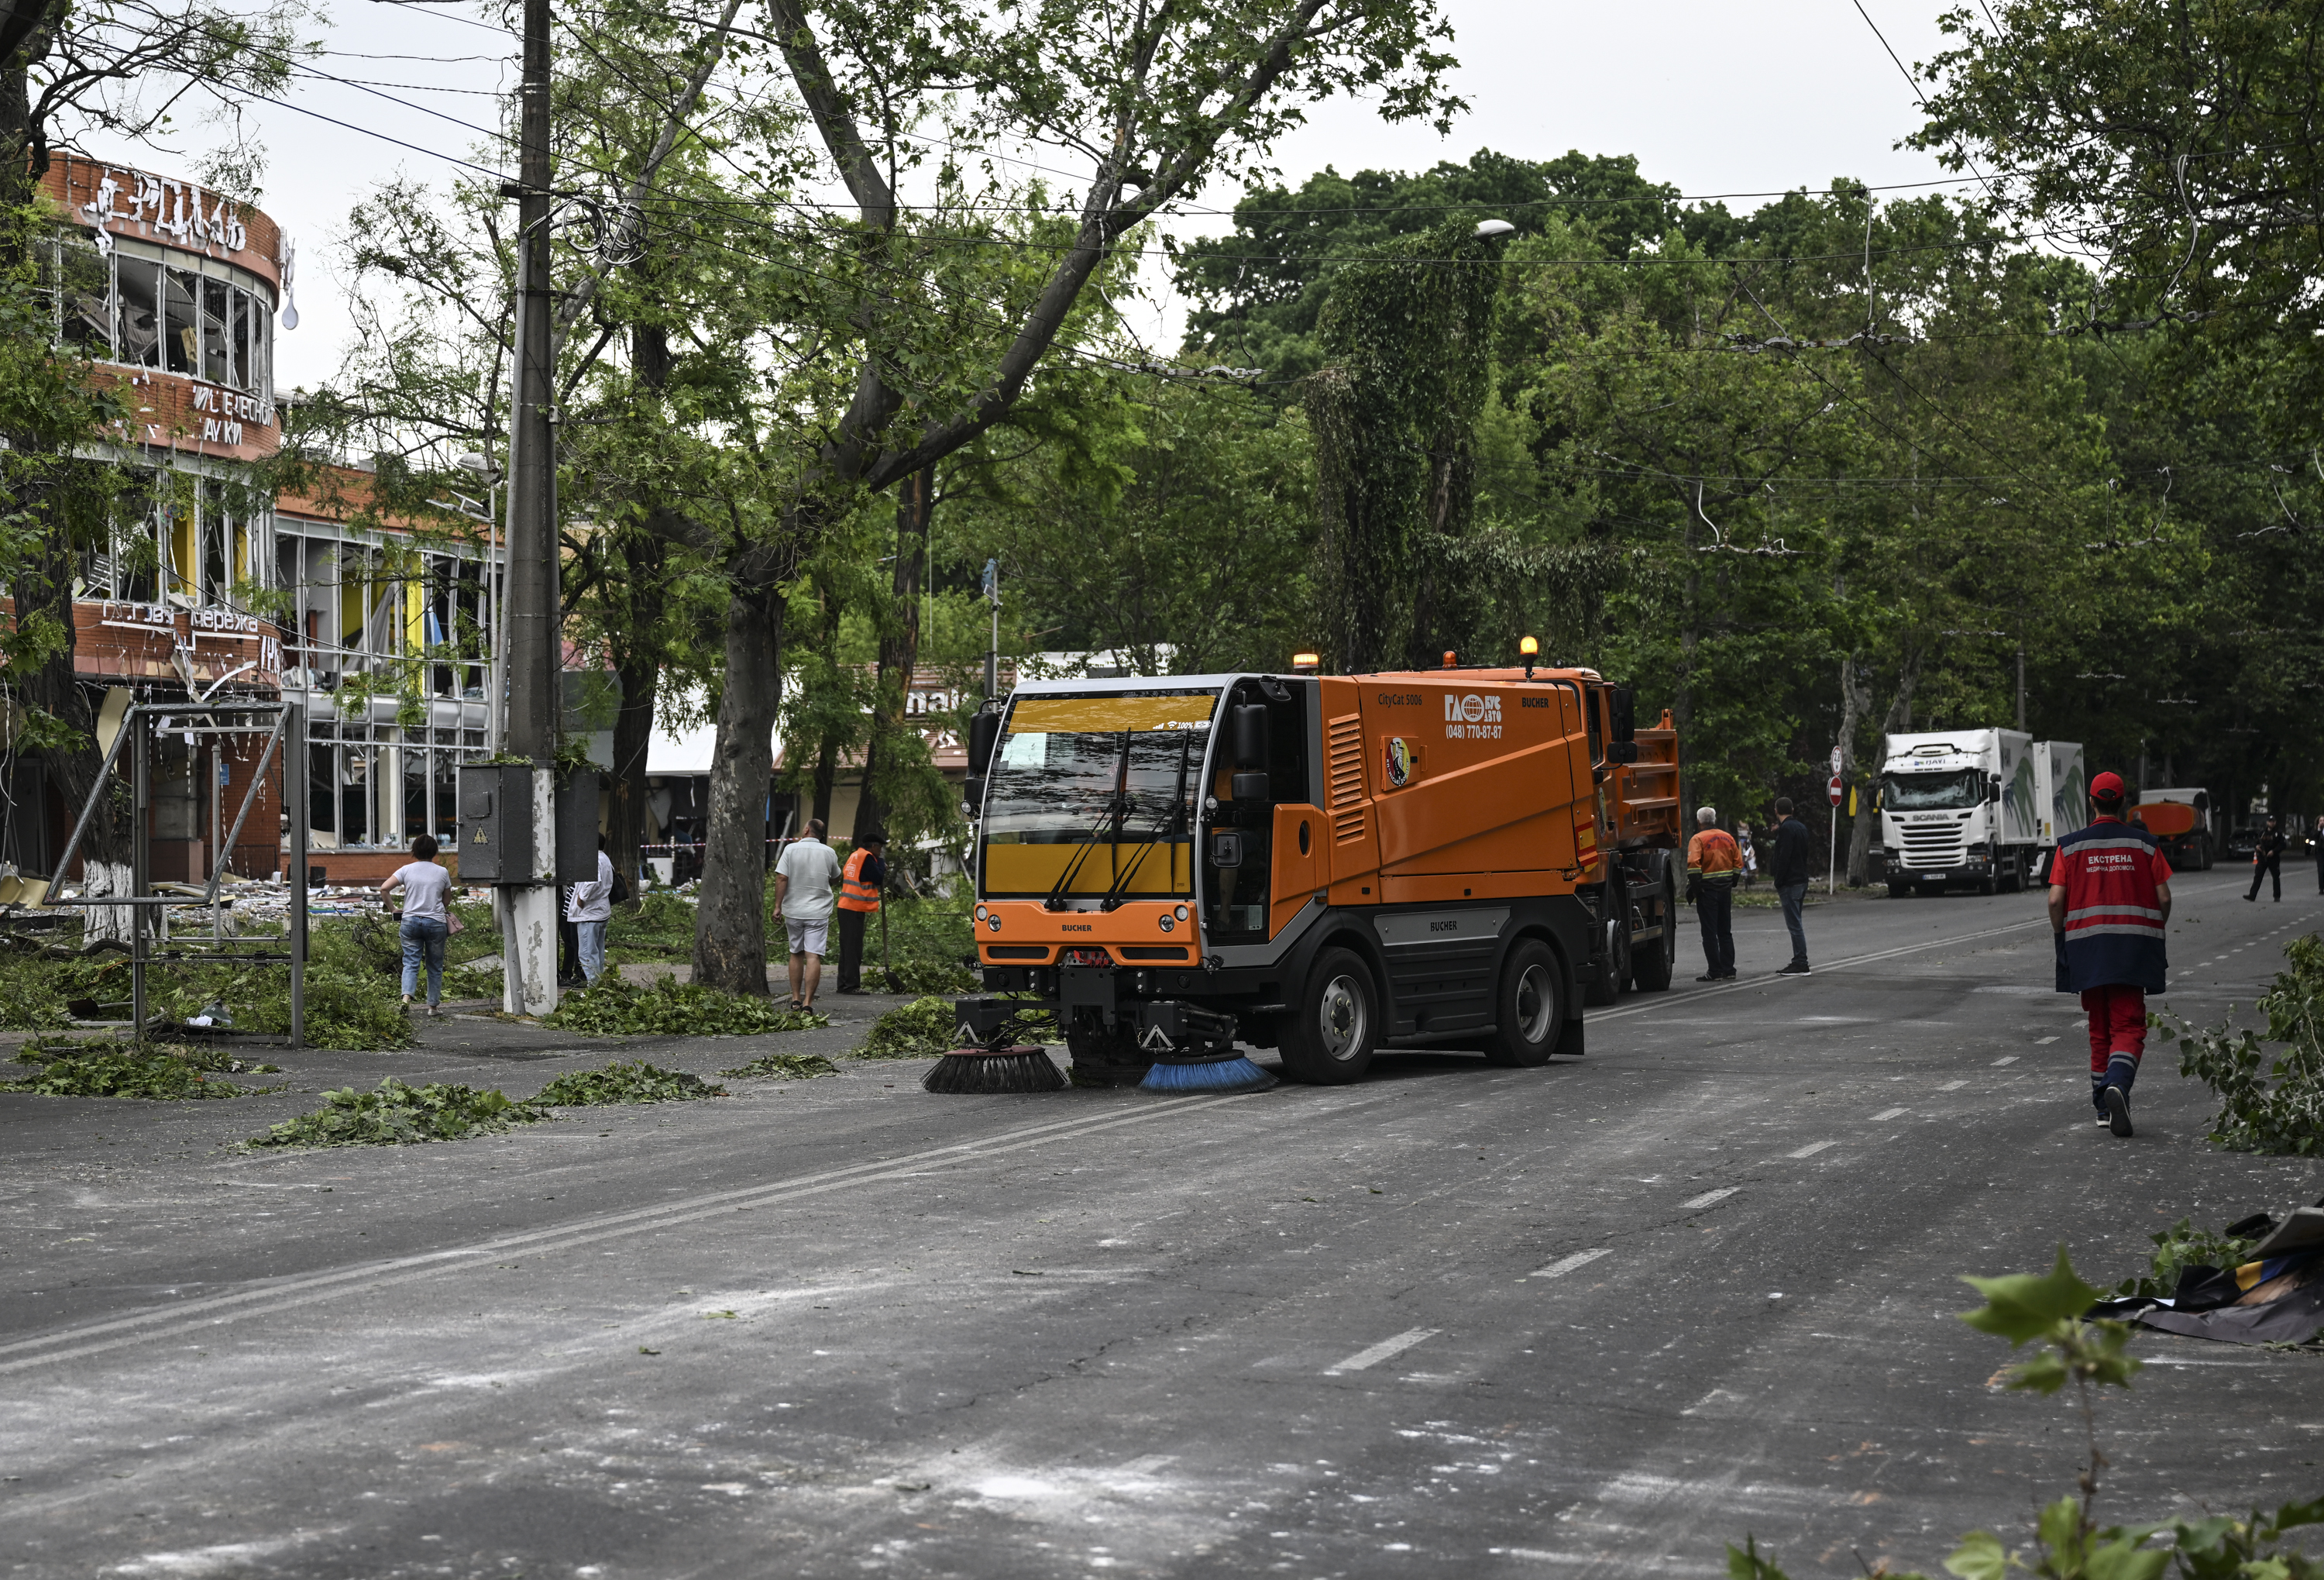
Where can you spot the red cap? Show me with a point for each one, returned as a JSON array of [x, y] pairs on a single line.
[[2107, 786]]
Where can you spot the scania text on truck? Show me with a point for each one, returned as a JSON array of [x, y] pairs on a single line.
[[1449, 858], [1959, 806]]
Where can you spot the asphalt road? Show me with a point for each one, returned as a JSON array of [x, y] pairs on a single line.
[[1599, 1319]]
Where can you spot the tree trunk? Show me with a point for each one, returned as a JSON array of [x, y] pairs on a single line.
[[730, 931], [1899, 719], [1854, 702], [899, 643], [640, 679], [826, 776], [44, 587], [639, 640]]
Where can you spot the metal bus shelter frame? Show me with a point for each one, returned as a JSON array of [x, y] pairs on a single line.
[[285, 727]]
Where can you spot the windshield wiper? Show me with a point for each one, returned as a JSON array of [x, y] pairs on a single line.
[[1112, 814], [1164, 826]]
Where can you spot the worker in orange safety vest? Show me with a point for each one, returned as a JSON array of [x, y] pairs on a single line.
[[1713, 862], [859, 882]]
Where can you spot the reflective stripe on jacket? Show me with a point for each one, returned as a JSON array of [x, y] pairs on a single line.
[[2110, 872], [855, 892], [1714, 854]]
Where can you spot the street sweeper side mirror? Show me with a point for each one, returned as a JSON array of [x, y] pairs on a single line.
[[1226, 850], [1622, 751], [983, 734], [1251, 736], [1622, 716]]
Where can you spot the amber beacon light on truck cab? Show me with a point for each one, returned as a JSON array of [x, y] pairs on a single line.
[[1454, 858]]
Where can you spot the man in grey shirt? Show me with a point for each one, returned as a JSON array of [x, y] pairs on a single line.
[[805, 878]]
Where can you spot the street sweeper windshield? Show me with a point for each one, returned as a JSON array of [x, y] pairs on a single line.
[[1096, 795]]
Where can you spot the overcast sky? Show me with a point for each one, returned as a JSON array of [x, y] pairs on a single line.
[[1712, 97]]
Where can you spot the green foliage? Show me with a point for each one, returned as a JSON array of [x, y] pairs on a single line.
[[613, 1007], [2069, 1544], [659, 927], [2183, 1246], [786, 1067], [1175, 524], [2268, 1103], [394, 1113], [102, 1067], [927, 941], [32, 995], [1409, 336], [2023, 1307], [919, 1030], [624, 1081]]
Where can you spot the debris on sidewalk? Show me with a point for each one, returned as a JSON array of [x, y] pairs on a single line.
[[2267, 1290]]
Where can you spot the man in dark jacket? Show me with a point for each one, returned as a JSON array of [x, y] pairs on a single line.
[[1789, 869], [2267, 859]]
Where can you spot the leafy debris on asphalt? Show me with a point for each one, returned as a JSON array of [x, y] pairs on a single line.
[[623, 1081], [611, 1006], [394, 1113], [155, 1071], [787, 1067]]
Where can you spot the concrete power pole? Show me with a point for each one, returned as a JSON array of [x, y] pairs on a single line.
[[528, 910]]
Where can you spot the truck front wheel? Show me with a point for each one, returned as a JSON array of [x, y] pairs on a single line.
[[1329, 1041], [1652, 962], [1529, 1007]]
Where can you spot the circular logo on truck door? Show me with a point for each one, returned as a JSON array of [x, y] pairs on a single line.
[[1398, 758]]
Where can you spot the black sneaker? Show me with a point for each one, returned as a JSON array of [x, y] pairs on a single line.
[[1727, 976], [1710, 977], [1796, 968], [2118, 1103]]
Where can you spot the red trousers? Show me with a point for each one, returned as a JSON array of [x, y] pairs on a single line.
[[2117, 1014]]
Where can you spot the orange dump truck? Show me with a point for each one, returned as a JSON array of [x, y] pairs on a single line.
[[1327, 864]]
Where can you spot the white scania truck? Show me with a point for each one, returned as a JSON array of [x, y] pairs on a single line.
[[1961, 806]]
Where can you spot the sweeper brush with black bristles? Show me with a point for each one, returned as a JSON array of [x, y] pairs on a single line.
[[994, 1072], [1224, 1072]]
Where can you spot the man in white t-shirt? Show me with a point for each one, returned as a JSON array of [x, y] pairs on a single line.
[[806, 879]]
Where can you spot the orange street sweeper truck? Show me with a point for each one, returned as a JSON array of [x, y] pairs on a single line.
[[1454, 858]]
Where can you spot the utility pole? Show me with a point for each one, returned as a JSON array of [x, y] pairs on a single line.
[[2021, 682], [528, 910], [992, 654]]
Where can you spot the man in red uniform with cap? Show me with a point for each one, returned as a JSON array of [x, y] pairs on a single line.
[[2109, 901]]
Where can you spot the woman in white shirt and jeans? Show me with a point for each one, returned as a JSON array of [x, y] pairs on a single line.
[[426, 918]]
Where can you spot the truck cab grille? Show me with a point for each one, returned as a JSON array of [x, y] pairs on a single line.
[[1932, 844]]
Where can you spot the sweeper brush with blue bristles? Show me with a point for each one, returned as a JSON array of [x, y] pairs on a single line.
[[1224, 1072]]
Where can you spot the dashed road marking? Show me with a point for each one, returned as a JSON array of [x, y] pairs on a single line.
[[1709, 1196], [1889, 1113], [1952, 1086], [1566, 1265], [1810, 1150], [1385, 1349]]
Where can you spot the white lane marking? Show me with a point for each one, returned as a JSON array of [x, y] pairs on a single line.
[[1810, 1150], [1952, 1086], [1566, 1265], [1887, 1113], [1687, 998], [2012, 1059], [1382, 1351], [1709, 1196], [275, 1295]]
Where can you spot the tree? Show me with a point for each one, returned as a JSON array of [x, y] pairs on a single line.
[[1178, 525], [1259, 291], [1154, 100], [1410, 340]]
